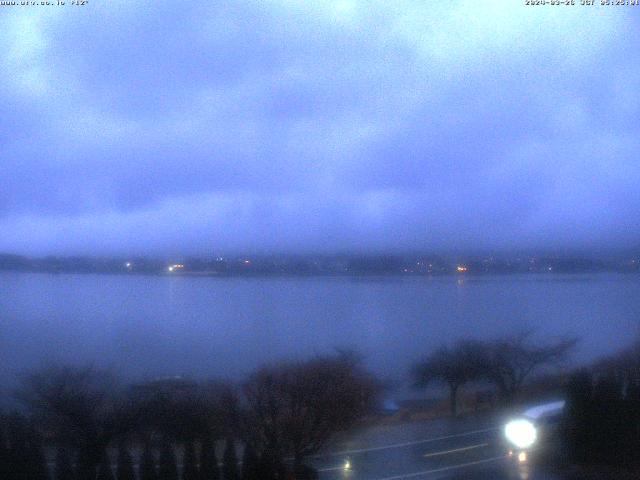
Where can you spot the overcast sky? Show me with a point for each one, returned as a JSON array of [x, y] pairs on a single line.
[[289, 125]]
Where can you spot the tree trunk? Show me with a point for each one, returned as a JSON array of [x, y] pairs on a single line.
[[88, 459], [453, 399]]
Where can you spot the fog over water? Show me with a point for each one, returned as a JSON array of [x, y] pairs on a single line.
[[144, 326]]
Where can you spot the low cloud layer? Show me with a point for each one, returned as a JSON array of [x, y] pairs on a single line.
[[339, 125]]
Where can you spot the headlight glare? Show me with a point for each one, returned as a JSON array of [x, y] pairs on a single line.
[[522, 433]]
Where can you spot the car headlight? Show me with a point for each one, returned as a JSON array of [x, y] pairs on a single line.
[[522, 433]]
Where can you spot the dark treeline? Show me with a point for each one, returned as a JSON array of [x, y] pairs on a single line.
[[82, 424], [304, 265], [602, 424]]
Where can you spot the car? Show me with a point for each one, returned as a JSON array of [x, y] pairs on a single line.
[[534, 429]]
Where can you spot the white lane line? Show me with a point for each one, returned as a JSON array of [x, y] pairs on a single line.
[[455, 450], [332, 469], [426, 455], [405, 444], [443, 469]]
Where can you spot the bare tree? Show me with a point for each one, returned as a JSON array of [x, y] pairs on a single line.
[[230, 461], [510, 360], [63, 465], [208, 461], [184, 410], [453, 366], [80, 407], [295, 408], [147, 470], [23, 453], [124, 467]]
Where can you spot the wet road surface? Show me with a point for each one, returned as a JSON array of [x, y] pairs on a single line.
[[468, 448]]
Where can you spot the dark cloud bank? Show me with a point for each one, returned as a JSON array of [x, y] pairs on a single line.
[[317, 126]]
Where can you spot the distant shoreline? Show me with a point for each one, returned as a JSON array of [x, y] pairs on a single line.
[[357, 265], [316, 275]]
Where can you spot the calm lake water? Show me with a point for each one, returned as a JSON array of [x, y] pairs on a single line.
[[146, 325]]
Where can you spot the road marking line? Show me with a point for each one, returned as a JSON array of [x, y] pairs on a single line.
[[405, 444], [462, 449], [426, 455], [443, 469], [332, 469]]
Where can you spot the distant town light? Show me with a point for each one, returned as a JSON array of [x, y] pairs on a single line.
[[347, 465], [128, 264], [461, 268], [247, 262]]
